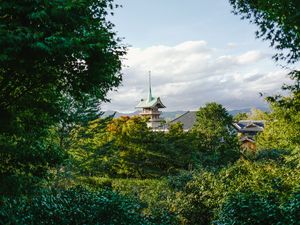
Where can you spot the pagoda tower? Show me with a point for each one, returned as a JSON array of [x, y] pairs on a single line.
[[150, 108]]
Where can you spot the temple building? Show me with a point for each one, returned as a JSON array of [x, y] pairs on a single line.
[[247, 130], [150, 108]]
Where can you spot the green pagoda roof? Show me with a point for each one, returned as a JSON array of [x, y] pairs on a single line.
[[150, 103]]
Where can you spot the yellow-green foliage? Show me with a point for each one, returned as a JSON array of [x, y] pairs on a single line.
[[198, 197], [126, 147], [282, 130]]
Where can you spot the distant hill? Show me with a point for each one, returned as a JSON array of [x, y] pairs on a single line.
[[167, 115], [247, 110], [170, 115], [119, 114]]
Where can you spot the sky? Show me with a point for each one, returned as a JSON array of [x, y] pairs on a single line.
[[198, 51]]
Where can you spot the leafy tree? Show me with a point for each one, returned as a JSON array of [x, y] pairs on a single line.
[[240, 116], [230, 194], [255, 208], [254, 114], [215, 134], [126, 147], [281, 131], [53, 52], [278, 21], [257, 114], [119, 148], [74, 114]]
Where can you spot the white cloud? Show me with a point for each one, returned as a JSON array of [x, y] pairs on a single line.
[[231, 45], [191, 73], [250, 57]]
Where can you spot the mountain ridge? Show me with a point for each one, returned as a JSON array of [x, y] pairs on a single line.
[[170, 115]]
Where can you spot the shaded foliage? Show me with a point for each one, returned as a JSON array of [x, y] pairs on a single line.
[[73, 206], [57, 58], [215, 136], [126, 147]]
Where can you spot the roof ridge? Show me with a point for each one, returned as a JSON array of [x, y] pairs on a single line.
[[180, 116]]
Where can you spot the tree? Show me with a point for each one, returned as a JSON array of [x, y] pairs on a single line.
[[126, 147], [257, 114], [281, 131], [123, 147], [52, 52], [240, 116], [217, 137], [278, 21]]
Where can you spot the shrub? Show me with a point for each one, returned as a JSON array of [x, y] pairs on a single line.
[[198, 200], [291, 209], [277, 155], [251, 209], [154, 193], [73, 206]]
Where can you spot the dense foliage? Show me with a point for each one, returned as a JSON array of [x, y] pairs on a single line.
[[73, 206], [254, 208], [62, 164], [126, 147], [202, 196], [218, 143], [57, 58], [278, 22]]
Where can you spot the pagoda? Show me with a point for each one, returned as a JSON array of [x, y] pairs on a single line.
[[150, 108]]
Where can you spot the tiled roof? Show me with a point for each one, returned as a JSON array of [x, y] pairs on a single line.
[[187, 119], [249, 125], [149, 103], [247, 139]]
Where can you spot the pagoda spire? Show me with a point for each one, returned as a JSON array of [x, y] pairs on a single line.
[[150, 92], [150, 108]]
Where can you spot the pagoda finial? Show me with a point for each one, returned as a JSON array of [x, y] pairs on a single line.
[[150, 92]]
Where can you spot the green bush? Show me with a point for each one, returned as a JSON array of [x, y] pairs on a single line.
[[179, 182], [73, 206], [154, 193], [277, 155], [291, 209], [200, 197], [251, 209], [260, 208], [95, 182], [197, 202]]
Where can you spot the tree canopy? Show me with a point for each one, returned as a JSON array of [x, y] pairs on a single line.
[[217, 137], [278, 21], [57, 58]]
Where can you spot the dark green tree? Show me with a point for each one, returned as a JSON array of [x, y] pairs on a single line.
[[215, 135], [53, 52]]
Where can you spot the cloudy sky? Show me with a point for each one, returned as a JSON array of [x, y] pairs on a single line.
[[197, 52]]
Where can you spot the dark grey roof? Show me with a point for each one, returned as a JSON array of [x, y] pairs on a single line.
[[188, 119], [249, 125], [245, 123]]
